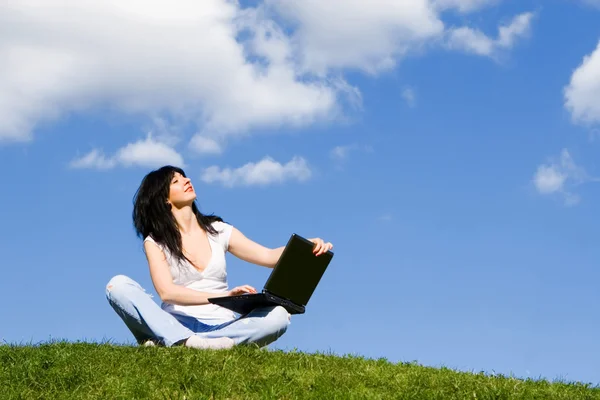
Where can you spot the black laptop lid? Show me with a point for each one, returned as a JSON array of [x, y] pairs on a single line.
[[298, 271]]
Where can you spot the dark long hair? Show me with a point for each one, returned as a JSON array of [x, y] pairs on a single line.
[[152, 213]]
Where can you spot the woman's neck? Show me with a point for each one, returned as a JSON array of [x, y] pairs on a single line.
[[186, 219]]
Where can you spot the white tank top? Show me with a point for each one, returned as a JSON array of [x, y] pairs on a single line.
[[212, 280]]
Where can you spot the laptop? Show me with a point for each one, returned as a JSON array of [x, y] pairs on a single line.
[[290, 284]]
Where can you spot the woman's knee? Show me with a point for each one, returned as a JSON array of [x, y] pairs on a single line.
[[277, 320], [118, 283]]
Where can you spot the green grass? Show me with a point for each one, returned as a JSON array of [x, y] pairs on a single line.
[[104, 371]]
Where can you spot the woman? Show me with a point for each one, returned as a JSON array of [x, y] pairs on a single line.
[[185, 251]]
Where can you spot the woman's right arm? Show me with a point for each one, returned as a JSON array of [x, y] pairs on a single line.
[[171, 293]]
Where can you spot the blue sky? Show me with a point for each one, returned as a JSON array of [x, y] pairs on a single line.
[[448, 149]]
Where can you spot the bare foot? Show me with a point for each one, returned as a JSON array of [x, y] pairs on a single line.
[[212, 343]]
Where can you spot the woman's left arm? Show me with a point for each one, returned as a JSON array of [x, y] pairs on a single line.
[[252, 252]]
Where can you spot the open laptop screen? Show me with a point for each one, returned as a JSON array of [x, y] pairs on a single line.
[[298, 271]]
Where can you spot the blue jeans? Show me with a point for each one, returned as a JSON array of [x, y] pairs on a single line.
[[147, 321]]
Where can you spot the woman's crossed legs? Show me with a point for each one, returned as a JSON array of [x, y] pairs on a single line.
[[147, 321]]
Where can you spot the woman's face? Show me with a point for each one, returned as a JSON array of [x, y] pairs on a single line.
[[181, 191]]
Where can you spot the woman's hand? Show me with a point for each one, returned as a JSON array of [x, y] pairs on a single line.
[[241, 290], [321, 246]]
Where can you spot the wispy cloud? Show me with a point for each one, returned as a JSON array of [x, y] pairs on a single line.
[[595, 3], [205, 145], [94, 159], [265, 172], [164, 131], [464, 6], [474, 41], [408, 94], [560, 177], [340, 154], [145, 153], [386, 217]]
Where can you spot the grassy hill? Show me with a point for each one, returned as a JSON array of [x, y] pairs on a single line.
[[103, 371]]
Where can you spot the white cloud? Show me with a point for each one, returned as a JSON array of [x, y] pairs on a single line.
[[365, 35], [144, 153], [386, 217], [340, 153], [94, 159], [595, 3], [474, 41], [210, 64], [151, 57], [265, 172], [518, 28], [373, 35], [148, 153], [464, 6], [205, 145], [549, 179], [408, 94], [471, 40], [582, 94], [559, 177], [164, 131]]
